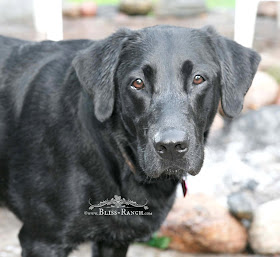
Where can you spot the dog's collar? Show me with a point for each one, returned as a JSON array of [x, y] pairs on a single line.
[[128, 161], [184, 186]]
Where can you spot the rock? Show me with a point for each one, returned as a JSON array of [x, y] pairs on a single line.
[[88, 9], [71, 10], [267, 9], [255, 130], [243, 158], [265, 229], [136, 7], [181, 8], [241, 205], [263, 91], [198, 223], [268, 61], [76, 10], [278, 99], [218, 123]]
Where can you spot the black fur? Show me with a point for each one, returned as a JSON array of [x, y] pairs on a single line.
[[72, 128]]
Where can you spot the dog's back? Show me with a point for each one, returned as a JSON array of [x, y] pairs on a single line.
[[6, 47], [20, 63]]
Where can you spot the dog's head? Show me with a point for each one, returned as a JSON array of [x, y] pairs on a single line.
[[166, 83]]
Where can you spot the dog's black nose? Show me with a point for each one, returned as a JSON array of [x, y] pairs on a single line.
[[171, 144]]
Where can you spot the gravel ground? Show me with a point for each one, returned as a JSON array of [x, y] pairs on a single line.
[[9, 244]]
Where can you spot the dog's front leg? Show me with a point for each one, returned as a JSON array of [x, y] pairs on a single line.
[[34, 245], [103, 250]]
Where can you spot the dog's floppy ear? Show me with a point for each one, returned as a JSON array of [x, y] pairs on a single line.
[[238, 67], [95, 67]]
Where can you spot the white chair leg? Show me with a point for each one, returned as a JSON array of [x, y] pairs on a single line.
[[245, 18], [278, 15], [48, 19]]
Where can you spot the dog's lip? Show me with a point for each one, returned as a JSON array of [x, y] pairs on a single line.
[[181, 177], [171, 171], [174, 169]]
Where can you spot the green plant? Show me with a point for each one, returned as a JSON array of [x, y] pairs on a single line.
[[98, 2], [221, 3], [161, 242], [274, 72]]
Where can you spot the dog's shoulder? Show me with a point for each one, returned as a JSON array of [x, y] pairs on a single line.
[[30, 67], [46, 48], [7, 45], [18, 57], [9, 41], [12, 49]]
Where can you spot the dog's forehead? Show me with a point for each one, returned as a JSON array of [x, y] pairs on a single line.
[[176, 43], [176, 36]]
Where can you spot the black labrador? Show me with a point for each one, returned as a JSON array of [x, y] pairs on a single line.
[[124, 118]]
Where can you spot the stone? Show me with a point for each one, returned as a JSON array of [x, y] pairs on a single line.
[[243, 158], [136, 7], [76, 10], [268, 61], [88, 9], [180, 8], [71, 10], [278, 98], [240, 205], [265, 229], [264, 91], [218, 123], [267, 9], [198, 224]]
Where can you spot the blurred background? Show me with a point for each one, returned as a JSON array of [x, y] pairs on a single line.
[[233, 205]]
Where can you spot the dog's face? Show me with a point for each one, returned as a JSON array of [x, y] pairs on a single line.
[[169, 89], [166, 83]]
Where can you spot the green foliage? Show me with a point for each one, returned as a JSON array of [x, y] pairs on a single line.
[[210, 3], [107, 2], [274, 72], [161, 242], [99, 2], [221, 3]]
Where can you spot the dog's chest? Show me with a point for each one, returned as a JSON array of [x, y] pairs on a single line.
[[122, 220]]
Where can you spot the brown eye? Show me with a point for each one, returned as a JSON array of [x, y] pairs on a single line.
[[138, 84], [198, 79]]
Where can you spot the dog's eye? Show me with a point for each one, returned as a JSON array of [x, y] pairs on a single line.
[[138, 84], [198, 79]]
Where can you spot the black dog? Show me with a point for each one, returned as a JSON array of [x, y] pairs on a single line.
[[125, 116]]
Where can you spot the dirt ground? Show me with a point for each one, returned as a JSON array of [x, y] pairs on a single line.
[[267, 41], [9, 244]]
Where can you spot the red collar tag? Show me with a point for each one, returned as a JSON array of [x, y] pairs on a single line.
[[184, 186]]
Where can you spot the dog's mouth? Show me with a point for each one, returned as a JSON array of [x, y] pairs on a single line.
[[173, 171], [181, 174]]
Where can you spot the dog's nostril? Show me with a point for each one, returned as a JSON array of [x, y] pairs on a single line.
[[181, 147], [171, 144]]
